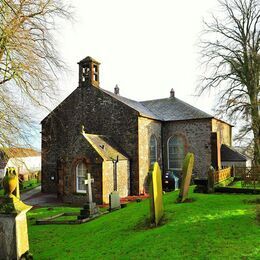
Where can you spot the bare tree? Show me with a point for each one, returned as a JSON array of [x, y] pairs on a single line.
[[29, 62], [230, 45]]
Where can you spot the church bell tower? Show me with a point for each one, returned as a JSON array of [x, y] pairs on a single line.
[[89, 72]]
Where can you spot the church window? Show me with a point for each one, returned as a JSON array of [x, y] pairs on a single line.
[[81, 173], [95, 72], [176, 153], [153, 149]]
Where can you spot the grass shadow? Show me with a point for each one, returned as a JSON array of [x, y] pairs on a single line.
[[145, 223], [252, 201], [188, 200]]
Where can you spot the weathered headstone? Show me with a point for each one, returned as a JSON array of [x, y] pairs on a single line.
[[211, 180], [114, 201], [186, 176], [90, 209], [176, 182], [13, 223], [155, 190]]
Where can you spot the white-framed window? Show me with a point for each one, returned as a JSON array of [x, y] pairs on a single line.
[[153, 149], [176, 153], [81, 173]]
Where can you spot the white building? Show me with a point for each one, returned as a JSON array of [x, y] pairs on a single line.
[[26, 161]]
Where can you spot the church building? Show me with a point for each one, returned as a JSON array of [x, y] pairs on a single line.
[[116, 139]]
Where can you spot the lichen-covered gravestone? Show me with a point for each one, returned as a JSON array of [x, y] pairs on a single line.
[[211, 180], [13, 224], [155, 190], [186, 176], [114, 201]]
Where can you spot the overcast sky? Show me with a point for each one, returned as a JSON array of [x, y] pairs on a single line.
[[146, 47]]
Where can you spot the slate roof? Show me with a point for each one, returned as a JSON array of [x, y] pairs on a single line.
[[174, 109], [229, 154], [166, 109], [138, 106], [105, 147], [15, 152]]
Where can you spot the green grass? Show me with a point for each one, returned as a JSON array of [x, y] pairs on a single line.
[[238, 184], [212, 227], [29, 185], [25, 186]]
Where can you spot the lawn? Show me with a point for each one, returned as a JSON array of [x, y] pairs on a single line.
[[212, 227], [25, 186], [239, 184]]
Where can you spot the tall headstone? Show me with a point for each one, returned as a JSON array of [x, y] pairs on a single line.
[[211, 180], [114, 201], [90, 209], [186, 176], [13, 223], [155, 190]]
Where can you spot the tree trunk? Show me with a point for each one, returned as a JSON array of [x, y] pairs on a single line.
[[255, 114]]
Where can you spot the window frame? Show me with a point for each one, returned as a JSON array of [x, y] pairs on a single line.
[[153, 137], [77, 176], [168, 150]]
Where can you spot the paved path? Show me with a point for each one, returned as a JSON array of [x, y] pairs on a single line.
[[30, 193], [35, 197]]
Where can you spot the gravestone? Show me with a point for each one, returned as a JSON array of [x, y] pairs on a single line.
[[186, 176], [155, 190], [211, 180], [114, 201], [90, 209], [176, 182], [13, 223]]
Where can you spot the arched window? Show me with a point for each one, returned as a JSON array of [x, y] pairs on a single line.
[[176, 153], [81, 172], [153, 149]]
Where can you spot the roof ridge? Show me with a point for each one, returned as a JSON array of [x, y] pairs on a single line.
[[122, 98]]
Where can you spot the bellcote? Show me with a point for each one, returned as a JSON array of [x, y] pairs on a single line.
[[89, 72]]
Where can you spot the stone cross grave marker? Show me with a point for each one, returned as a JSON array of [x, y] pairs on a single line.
[[88, 182], [90, 209], [186, 176], [155, 190]]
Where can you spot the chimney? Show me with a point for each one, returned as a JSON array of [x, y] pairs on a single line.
[[116, 90], [172, 93]]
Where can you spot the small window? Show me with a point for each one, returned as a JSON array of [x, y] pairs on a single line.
[[176, 153], [153, 150], [81, 173], [95, 77], [66, 181]]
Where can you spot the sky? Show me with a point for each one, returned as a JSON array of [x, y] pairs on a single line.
[[146, 47]]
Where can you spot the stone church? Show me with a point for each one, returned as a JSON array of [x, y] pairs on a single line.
[[116, 139]]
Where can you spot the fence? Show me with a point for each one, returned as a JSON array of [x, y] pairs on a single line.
[[250, 177], [222, 175]]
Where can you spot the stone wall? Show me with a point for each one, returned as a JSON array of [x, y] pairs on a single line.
[[196, 134], [225, 131], [61, 135], [80, 151], [123, 179], [147, 128]]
